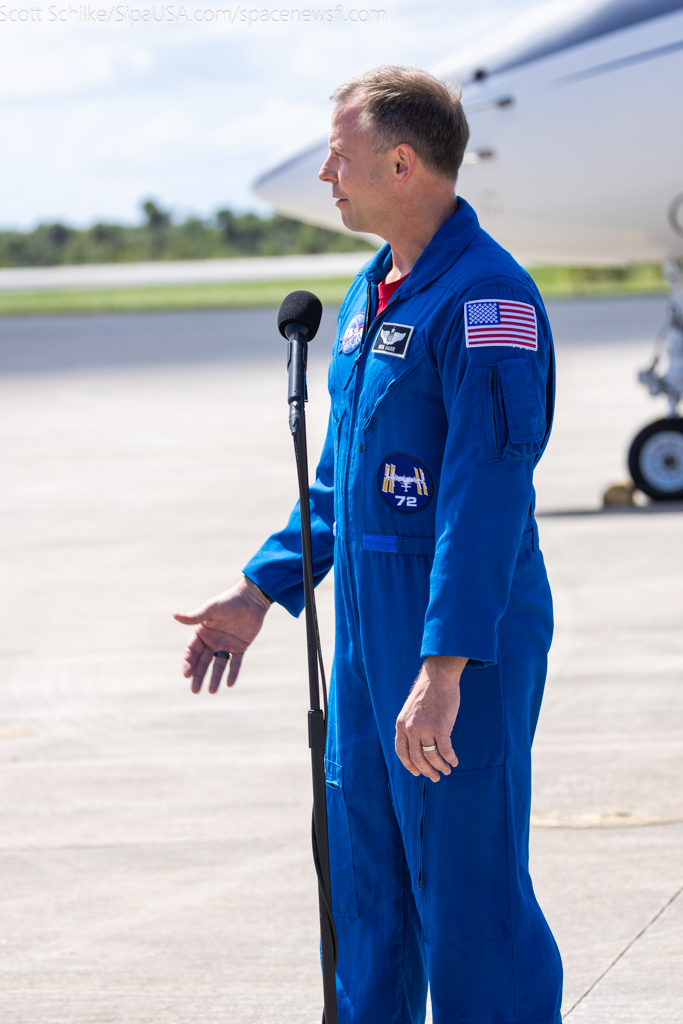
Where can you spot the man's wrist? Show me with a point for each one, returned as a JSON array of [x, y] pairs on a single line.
[[261, 593], [444, 670]]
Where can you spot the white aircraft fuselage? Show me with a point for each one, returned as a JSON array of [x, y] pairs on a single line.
[[576, 152]]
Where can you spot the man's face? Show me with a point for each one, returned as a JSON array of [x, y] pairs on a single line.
[[361, 179]]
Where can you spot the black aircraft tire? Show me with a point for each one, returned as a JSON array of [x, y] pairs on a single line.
[[655, 460]]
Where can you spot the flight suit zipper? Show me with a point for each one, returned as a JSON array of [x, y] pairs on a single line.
[[366, 331], [345, 475], [350, 448], [493, 404]]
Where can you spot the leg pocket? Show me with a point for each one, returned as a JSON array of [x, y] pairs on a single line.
[[411, 821], [343, 875], [465, 876]]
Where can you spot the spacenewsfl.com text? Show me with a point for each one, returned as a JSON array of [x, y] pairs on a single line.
[[179, 14]]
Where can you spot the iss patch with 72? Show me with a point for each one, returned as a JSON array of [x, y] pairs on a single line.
[[393, 339], [404, 482]]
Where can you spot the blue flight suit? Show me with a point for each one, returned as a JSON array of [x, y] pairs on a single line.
[[424, 502]]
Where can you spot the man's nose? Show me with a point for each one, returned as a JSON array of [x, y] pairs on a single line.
[[326, 173]]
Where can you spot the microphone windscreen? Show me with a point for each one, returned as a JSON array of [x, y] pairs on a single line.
[[300, 308]]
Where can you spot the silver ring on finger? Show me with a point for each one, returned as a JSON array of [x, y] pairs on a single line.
[[428, 749]]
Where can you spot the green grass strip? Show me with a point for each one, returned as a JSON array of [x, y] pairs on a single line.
[[200, 296], [580, 282], [553, 282]]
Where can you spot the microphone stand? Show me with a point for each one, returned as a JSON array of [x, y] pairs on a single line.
[[297, 335]]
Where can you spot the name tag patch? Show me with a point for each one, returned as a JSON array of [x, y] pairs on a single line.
[[393, 339], [353, 335], [404, 482], [500, 322]]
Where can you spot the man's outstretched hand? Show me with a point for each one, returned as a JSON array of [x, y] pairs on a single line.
[[228, 622]]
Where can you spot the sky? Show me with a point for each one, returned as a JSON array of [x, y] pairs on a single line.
[[102, 107]]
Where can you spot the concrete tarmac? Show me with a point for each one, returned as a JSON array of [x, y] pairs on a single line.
[[154, 846]]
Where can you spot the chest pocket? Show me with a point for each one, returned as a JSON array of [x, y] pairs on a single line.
[[404, 417], [386, 388], [508, 413]]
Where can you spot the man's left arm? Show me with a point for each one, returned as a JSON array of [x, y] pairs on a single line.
[[495, 397]]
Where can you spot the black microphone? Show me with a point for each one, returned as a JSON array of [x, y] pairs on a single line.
[[300, 312], [298, 320]]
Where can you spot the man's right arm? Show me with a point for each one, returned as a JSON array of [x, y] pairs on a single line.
[[277, 568], [231, 621]]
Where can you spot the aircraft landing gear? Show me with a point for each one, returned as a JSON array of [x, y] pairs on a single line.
[[655, 459]]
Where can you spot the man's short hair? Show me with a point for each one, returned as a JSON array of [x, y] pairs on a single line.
[[401, 104]]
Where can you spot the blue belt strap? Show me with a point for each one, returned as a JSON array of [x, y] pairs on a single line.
[[420, 545], [399, 545]]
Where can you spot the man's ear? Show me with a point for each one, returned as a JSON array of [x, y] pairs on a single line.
[[404, 163]]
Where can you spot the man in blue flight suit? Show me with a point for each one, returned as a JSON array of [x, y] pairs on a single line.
[[441, 387]]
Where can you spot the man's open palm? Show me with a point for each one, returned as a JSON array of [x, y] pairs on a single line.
[[228, 622]]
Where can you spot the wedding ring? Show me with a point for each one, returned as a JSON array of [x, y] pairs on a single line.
[[428, 750]]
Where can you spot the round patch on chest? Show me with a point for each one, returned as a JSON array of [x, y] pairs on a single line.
[[404, 483], [353, 335]]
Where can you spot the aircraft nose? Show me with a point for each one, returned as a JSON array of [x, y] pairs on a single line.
[[294, 188]]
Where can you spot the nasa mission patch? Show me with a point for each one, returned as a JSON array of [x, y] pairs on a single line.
[[393, 340], [404, 483], [353, 335]]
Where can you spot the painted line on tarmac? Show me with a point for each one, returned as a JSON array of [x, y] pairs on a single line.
[[625, 950]]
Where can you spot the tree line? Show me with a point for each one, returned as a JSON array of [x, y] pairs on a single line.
[[159, 238]]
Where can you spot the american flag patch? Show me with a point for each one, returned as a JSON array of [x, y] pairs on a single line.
[[500, 322]]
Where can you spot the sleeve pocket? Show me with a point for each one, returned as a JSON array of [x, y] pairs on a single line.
[[508, 417], [523, 427]]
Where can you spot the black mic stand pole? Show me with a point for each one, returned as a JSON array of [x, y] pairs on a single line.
[[297, 335]]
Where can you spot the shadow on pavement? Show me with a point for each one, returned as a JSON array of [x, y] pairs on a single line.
[[655, 508]]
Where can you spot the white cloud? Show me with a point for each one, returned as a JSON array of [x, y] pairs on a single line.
[[96, 117]]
